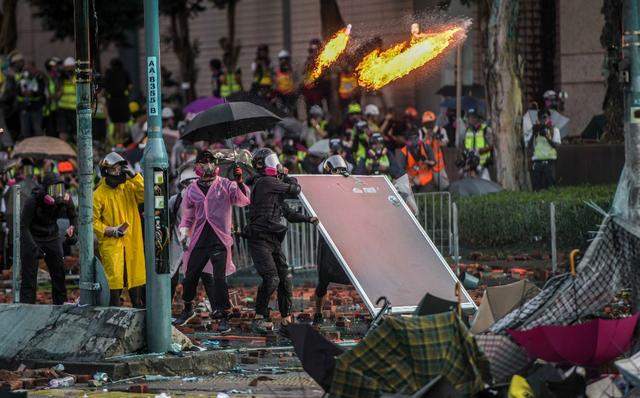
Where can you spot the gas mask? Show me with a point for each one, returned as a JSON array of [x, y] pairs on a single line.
[[114, 175], [272, 166], [206, 170]]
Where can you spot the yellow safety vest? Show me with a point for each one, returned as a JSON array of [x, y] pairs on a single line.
[[68, 97], [476, 140], [229, 86], [542, 150], [52, 103]]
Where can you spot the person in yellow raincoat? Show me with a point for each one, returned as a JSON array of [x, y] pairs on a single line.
[[116, 223]]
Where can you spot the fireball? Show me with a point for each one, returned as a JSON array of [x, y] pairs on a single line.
[[377, 69], [330, 53]]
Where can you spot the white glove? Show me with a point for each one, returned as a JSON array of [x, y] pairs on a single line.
[[183, 235]]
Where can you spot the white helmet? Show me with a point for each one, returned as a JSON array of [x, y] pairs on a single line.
[[372, 110], [69, 61], [187, 174], [283, 54], [316, 111], [549, 94], [167, 113]]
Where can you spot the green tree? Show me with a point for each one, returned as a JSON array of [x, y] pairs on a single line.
[[497, 27], [115, 18]]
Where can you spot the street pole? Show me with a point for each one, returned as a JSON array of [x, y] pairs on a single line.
[[85, 152], [627, 200], [156, 216], [458, 92], [15, 227]]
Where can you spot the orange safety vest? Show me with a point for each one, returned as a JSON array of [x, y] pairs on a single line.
[[284, 82], [348, 84], [418, 170], [437, 151]]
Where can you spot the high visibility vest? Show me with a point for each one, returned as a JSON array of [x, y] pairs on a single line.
[[542, 150], [348, 84], [437, 152], [52, 103], [284, 82], [419, 172], [230, 85], [68, 97], [382, 161], [475, 140], [265, 78]]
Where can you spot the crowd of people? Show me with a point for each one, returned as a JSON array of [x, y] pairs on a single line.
[[363, 139]]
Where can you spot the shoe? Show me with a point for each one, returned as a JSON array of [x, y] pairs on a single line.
[[223, 326], [184, 318], [283, 330], [262, 326], [318, 319]]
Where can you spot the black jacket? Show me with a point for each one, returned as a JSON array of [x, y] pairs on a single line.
[[39, 221], [268, 206]]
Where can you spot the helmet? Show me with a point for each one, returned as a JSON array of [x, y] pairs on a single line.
[[206, 156], [186, 175], [473, 112], [335, 145], [112, 164], [284, 54], [372, 110], [134, 107], [266, 161], [354, 108], [52, 62], [428, 116], [335, 165], [376, 138], [316, 111], [167, 113], [69, 62], [16, 57], [549, 94], [314, 44], [411, 112]]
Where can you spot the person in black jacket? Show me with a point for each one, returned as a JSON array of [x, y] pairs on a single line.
[[265, 233], [40, 237]]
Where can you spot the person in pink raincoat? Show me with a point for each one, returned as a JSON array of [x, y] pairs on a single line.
[[206, 229]]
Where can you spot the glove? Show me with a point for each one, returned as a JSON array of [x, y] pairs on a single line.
[[113, 232], [314, 220], [128, 171], [237, 174]]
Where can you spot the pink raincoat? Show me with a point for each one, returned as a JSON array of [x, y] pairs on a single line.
[[216, 209]]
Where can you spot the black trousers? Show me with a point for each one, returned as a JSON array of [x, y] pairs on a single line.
[[53, 257], [137, 294], [272, 267], [542, 174], [216, 285], [329, 269]]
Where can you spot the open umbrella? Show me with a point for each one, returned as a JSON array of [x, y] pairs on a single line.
[[42, 147], [498, 301], [431, 304], [467, 103], [202, 104], [474, 90], [228, 120], [587, 344], [473, 186], [320, 148], [292, 127], [316, 353], [505, 357]]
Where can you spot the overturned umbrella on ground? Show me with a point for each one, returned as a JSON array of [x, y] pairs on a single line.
[[43, 147], [505, 357], [229, 120], [403, 355], [498, 301]]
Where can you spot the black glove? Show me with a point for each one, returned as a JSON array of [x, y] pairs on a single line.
[[128, 171]]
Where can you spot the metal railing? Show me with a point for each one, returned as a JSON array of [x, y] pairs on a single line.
[[301, 241], [435, 217]]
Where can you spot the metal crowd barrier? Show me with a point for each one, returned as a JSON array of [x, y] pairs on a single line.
[[301, 242]]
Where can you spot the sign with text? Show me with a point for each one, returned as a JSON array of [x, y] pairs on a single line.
[[153, 86]]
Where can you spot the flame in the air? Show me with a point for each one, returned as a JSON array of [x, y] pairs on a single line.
[[330, 53], [378, 69]]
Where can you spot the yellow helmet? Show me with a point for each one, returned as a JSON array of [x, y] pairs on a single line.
[[134, 107]]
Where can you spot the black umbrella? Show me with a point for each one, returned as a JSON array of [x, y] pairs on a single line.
[[229, 120], [474, 90], [430, 305], [472, 186], [316, 353]]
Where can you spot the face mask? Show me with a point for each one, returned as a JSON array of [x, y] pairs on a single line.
[[114, 181], [49, 200], [272, 165], [206, 170]]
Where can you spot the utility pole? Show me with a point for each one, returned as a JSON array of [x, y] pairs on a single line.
[[85, 152], [631, 42], [156, 215]]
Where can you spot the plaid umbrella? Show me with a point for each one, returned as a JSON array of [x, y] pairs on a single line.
[[404, 354], [505, 357]]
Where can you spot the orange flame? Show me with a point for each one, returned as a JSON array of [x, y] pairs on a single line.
[[377, 69], [330, 53]]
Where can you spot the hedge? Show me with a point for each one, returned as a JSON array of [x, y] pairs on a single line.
[[521, 219]]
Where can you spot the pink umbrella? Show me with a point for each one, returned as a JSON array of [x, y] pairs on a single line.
[[202, 104], [588, 344]]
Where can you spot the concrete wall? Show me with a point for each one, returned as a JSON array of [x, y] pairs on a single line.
[[581, 58]]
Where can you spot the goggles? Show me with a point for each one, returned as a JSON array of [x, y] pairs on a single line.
[[56, 190]]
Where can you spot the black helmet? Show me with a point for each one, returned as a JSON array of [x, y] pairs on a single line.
[[335, 165], [376, 138], [206, 156], [259, 157]]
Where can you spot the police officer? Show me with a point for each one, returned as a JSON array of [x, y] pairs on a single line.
[[376, 160], [41, 239], [329, 269], [543, 148], [270, 187], [478, 138]]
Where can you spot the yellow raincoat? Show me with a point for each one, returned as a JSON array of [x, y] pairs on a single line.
[[111, 208]]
